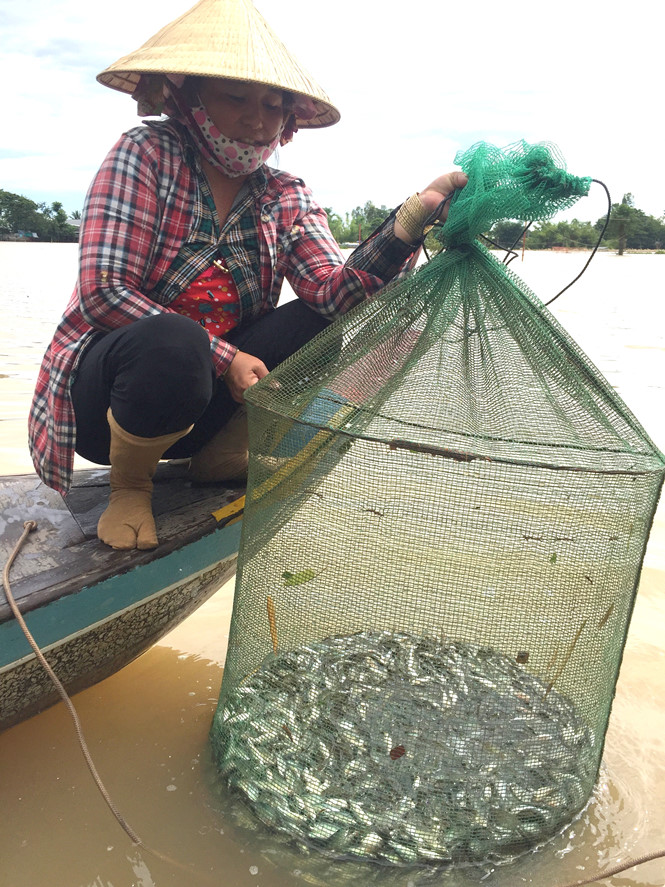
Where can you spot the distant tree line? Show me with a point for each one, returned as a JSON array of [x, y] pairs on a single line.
[[358, 224], [629, 228], [23, 219]]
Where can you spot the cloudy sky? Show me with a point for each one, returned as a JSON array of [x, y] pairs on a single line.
[[415, 82]]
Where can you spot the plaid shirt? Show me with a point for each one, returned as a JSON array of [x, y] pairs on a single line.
[[150, 228]]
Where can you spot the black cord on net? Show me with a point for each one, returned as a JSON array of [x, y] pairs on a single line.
[[521, 235], [511, 250], [595, 249]]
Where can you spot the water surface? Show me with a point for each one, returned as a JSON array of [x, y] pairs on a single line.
[[147, 725]]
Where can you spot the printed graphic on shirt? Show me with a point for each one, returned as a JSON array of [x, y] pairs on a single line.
[[211, 300]]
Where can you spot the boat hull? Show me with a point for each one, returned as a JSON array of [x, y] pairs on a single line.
[[93, 610]]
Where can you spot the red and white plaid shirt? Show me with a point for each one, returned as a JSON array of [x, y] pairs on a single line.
[[149, 228]]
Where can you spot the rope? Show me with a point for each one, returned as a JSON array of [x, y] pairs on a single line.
[[595, 249], [640, 860], [28, 527]]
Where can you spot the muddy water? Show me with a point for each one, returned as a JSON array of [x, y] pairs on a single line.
[[147, 725]]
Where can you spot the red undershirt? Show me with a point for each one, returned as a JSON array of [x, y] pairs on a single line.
[[211, 300]]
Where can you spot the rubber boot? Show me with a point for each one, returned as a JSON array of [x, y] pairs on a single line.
[[226, 456], [128, 521]]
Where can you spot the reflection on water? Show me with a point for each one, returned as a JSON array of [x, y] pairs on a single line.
[[147, 726]]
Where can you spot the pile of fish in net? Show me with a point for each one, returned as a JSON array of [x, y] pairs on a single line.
[[405, 749]]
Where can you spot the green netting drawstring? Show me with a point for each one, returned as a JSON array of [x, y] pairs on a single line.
[[537, 173], [522, 181]]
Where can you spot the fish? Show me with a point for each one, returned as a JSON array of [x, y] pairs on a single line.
[[405, 749]]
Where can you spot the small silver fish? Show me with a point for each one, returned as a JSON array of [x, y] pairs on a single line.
[[492, 760]]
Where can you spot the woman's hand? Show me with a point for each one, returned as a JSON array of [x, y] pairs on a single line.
[[245, 370], [435, 192], [415, 212]]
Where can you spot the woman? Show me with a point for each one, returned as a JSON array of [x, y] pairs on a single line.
[[185, 240]]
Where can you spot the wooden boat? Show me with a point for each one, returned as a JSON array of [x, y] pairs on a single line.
[[92, 609]]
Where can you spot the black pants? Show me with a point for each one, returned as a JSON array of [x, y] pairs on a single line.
[[157, 376]]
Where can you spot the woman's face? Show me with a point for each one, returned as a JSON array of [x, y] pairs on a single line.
[[248, 112]]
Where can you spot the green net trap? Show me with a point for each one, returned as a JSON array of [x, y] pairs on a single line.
[[446, 516]]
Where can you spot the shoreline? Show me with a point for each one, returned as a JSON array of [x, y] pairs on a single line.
[[347, 247]]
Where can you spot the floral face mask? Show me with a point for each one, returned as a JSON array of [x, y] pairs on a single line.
[[232, 157]]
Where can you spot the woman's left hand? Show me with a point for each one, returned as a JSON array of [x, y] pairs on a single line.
[[440, 188], [421, 208]]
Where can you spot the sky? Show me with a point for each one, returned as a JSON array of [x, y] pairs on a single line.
[[415, 83]]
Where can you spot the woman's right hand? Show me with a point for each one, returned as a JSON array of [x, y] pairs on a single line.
[[244, 371]]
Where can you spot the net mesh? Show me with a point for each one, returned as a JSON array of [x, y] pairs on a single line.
[[447, 511]]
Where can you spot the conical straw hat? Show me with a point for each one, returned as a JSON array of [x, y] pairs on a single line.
[[222, 38]]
